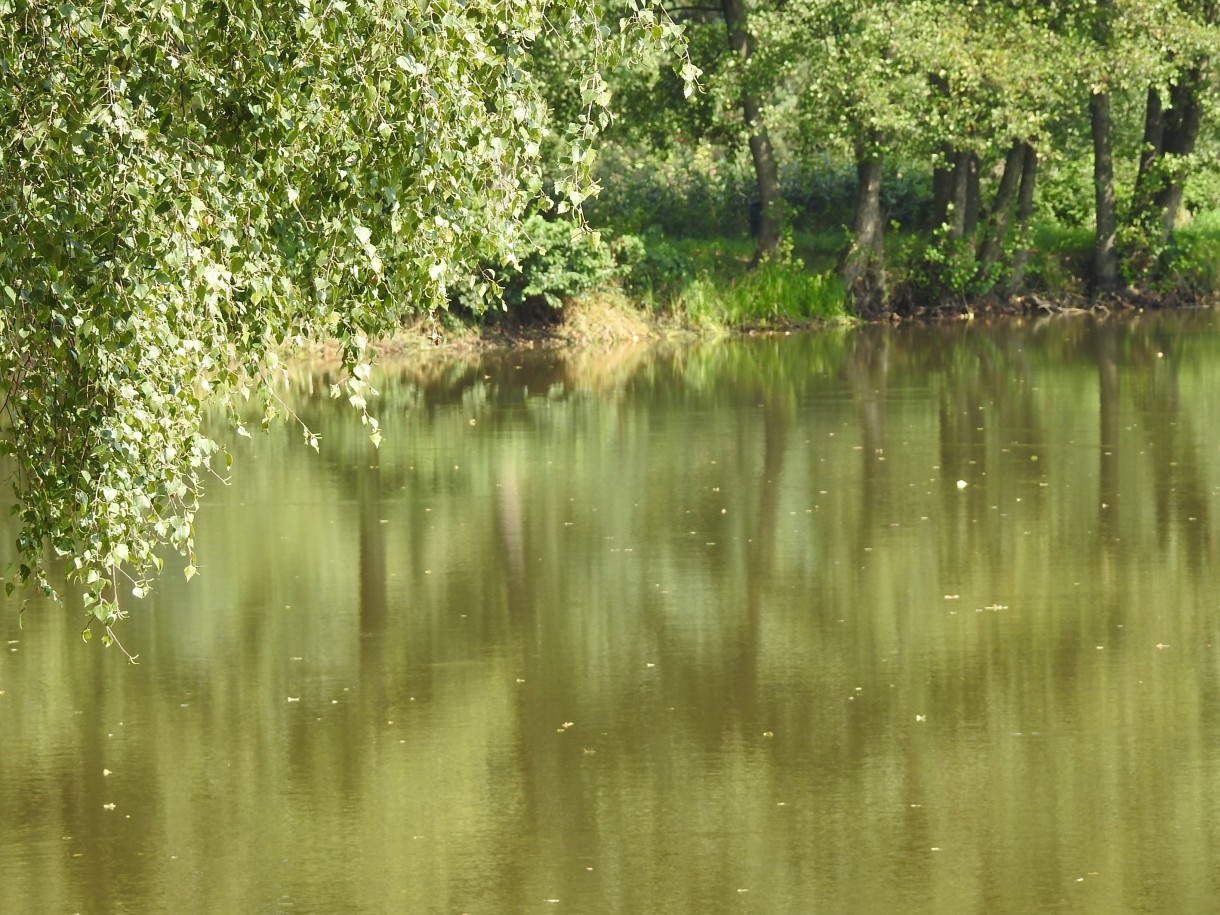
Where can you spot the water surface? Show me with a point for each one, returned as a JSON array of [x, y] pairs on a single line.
[[874, 620]]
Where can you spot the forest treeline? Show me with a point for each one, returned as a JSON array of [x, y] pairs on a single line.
[[922, 153]]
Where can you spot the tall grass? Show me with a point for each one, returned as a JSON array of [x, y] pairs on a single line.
[[707, 282], [776, 293]]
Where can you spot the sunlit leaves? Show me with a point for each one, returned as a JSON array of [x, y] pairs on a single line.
[[188, 189]]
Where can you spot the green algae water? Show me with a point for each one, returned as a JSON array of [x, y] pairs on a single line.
[[920, 619]]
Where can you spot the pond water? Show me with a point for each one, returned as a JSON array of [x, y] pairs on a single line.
[[872, 620]]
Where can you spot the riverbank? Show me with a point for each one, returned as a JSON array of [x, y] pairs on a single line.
[[663, 288], [609, 318], [628, 286]]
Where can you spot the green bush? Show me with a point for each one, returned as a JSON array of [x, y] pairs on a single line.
[[1190, 265], [653, 268], [562, 261], [1064, 191], [565, 262], [947, 269], [822, 194]]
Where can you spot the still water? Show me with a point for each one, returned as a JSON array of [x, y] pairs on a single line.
[[923, 619]]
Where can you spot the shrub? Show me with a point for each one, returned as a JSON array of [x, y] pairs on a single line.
[[562, 261], [1059, 260], [652, 268], [1190, 266]]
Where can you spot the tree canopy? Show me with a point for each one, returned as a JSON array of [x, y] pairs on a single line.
[[982, 97]]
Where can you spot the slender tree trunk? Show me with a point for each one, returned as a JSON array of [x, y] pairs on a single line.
[[1025, 216], [1001, 210], [942, 189], [1145, 218], [942, 174], [961, 191], [970, 194], [1170, 132], [766, 172], [863, 267], [942, 194], [955, 193], [1150, 152], [1105, 252]]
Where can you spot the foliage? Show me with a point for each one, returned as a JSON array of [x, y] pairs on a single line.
[[948, 268], [561, 261], [187, 188], [1059, 261], [653, 268], [921, 83], [1189, 266], [695, 191], [701, 192]]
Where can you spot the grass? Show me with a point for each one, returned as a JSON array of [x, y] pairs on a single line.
[[776, 293], [707, 282]]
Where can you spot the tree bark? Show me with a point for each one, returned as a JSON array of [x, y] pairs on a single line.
[[1025, 216], [942, 195], [766, 172], [969, 179], [942, 189], [955, 193], [863, 266], [942, 174], [1181, 131], [1167, 132], [1150, 152], [1001, 210], [1105, 252]]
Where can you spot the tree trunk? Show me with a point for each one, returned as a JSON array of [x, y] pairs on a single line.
[[863, 267], [766, 172], [955, 193], [1167, 132], [970, 194], [961, 190], [942, 175], [942, 189], [1025, 216], [1001, 210], [1105, 252], [1181, 130], [1150, 152]]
